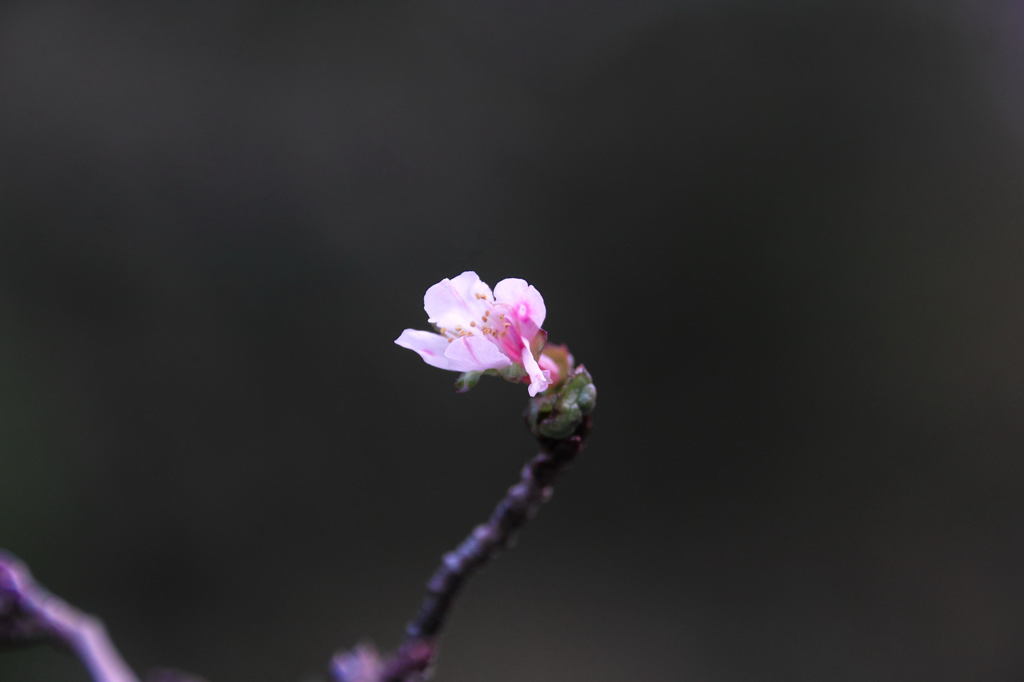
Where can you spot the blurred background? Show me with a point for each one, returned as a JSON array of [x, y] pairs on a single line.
[[787, 238]]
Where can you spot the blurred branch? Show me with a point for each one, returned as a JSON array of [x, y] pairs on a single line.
[[30, 614]]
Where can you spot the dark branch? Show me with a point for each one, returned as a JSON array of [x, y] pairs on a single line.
[[519, 505], [565, 413]]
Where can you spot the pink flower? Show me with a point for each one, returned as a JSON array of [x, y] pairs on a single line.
[[480, 330]]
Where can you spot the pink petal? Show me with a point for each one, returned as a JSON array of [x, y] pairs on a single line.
[[550, 366], [457, 302], [539, 379], [431, 347], [523, 300], [475, 353]]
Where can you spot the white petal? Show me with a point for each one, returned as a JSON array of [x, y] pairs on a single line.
[[522, 299], [456, 302], [475, 353], [469, 285], [430, 346], [540, 379]]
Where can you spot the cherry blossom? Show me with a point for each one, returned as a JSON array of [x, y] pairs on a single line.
[[480, 330]]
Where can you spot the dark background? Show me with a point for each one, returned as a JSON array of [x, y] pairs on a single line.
[[786, 237]]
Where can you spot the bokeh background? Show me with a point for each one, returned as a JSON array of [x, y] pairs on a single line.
[[787, 238]]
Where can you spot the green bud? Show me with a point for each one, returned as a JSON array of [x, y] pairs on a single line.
[[587, 398], [558, 412]]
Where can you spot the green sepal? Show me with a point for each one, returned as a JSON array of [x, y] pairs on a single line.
[[466, 381], [513, 373]]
